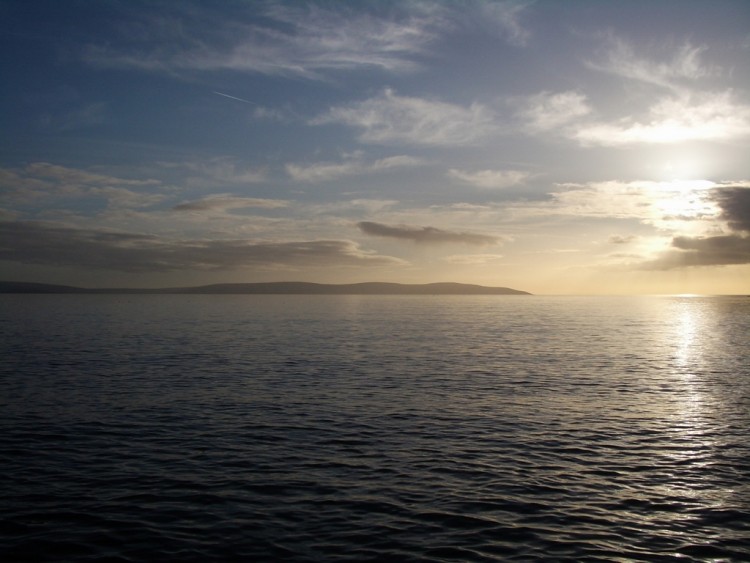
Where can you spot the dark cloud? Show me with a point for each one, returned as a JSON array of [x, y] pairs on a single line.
[[703, 251], [425, 235], [56, 245], [735, 206], [720, 250]]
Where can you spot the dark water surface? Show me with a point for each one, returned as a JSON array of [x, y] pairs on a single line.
[[393, 428]]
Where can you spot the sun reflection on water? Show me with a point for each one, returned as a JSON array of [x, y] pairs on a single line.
[[687, 325], [692, 416]]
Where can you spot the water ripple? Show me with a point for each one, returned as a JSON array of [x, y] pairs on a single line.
[[203, 428]]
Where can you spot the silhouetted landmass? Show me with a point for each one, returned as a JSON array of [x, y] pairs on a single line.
[[284, 288], [28, 287]]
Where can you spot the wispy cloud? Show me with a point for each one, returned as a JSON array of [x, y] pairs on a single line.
[[473, 259], [89, 115], [393, 119], [59, 245], [76, 176], [123, 198], [508, 16], [684, 65], [547, 110], [218, 171], [353, 165], [658, 203], [502, 18], [490, 179], [42, 181], [225, 202], [425, 235], [298, 39]]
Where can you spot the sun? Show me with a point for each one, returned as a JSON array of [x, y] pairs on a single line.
[[679, 169], [686, 166]]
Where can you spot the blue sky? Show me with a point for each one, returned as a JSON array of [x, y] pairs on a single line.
[[551, 146]]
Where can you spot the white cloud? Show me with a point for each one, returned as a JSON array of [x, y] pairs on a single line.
[[390, 118], [352, 166], [490, 179], [698, 117], [547, 110], [665, 205]]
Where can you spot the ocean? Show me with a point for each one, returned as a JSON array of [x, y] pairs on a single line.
[[374, 428]]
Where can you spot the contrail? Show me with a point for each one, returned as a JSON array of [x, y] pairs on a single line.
[[234, 98]]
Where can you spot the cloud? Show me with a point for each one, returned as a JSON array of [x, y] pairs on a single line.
[[90, 115], [220, 170], [698, 117], [270, 114], [390, 118], [300, 39], [295, 39], [490, 179], [123, 198], [69, 176], [718, 250], [546, 110], [44, 181], [351, 208], [507, 16], [620, 239], [735, 205], [473, 259], [425, 235], [353, 166], [684, 65], [703, 251], [689, 112], [662, 204], [22, 186], [225, 202], [59, 245]]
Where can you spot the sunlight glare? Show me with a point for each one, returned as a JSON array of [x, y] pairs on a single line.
[[684, 200]]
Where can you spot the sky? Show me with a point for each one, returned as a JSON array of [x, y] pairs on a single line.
[[557, 147]]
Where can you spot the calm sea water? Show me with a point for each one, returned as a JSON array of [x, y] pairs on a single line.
[[389, 428]]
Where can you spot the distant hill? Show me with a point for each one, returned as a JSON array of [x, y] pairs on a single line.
[[284, 288]]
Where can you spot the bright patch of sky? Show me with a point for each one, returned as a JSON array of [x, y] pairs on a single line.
[[554, 147]]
